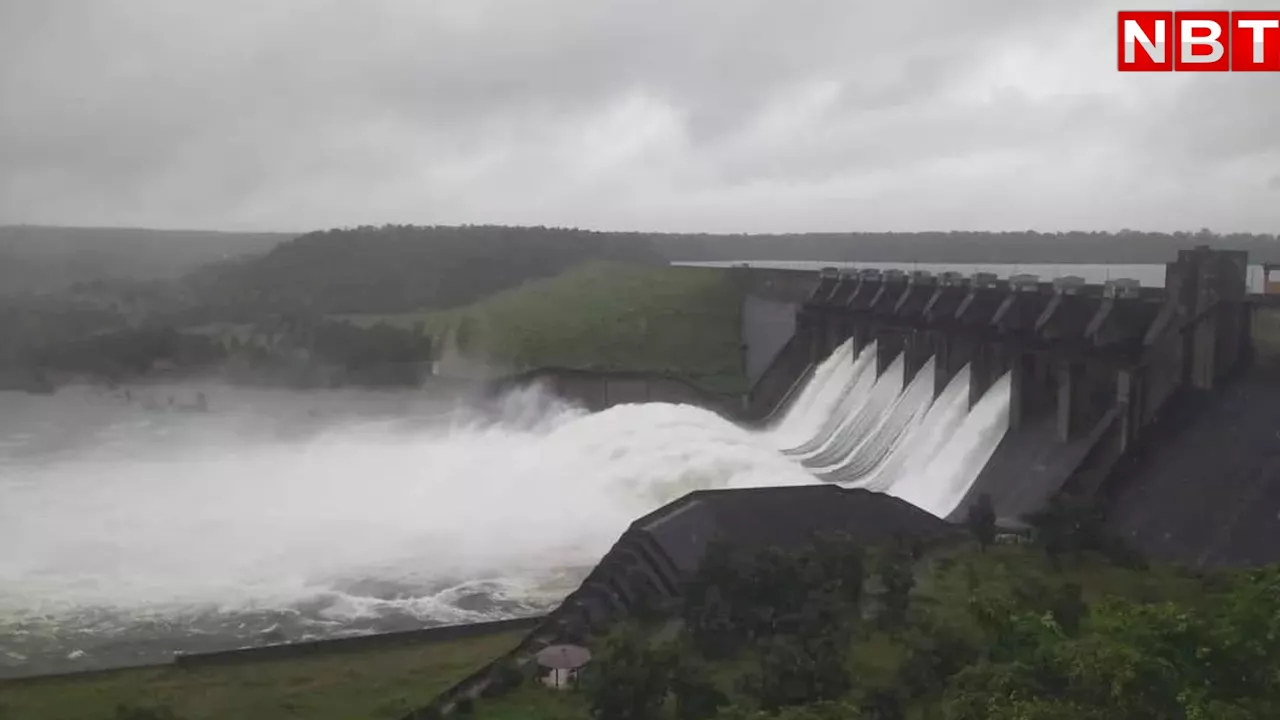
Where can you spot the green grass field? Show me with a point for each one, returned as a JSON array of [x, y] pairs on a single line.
[[371, 684], [605, 316]]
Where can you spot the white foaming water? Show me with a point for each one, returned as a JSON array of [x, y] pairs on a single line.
[[160, 526], [848, 390], [919, 445], [871, 407], [817, 397], [882, 436], [874, 449], [942, 484], [216, 521]]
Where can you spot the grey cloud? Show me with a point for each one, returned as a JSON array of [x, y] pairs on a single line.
[[695, 115]]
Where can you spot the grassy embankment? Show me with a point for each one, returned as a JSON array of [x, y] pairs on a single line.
[[343, 686], [604, 316]]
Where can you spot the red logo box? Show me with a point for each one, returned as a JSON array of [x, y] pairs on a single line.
[[1198, 41], [1255, 41], [1145, 38], [1202, 42]]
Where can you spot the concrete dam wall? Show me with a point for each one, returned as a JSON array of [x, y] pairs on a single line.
[[1203, 488], [1090, 367], [1098, 375]]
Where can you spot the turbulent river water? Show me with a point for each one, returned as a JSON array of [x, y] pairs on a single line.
[[132, 527], [134, 524]]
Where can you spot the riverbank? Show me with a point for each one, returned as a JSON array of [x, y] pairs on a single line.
[[602, 317], [376, 682]]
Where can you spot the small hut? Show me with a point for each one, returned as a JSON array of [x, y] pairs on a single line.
[[565, 662]]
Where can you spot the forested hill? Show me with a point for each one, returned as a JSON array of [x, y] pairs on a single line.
[[396, 268], [1125, 246], [41, 258], [392, 267]]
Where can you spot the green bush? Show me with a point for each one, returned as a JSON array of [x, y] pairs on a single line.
[[506, 676], [630, 681]]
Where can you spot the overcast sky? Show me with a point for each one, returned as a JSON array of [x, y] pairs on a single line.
[[684, 115]]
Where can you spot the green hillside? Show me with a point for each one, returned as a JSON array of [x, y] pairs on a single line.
[[603, 316], [398, 268]]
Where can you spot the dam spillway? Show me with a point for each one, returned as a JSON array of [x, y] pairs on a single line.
[[855, 392], [856, 429], [940, 389]]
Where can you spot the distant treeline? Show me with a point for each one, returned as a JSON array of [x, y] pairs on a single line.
[[393, 268], [405, 268], [289, 351], [1126, 246], [396, 268], [35, 258]]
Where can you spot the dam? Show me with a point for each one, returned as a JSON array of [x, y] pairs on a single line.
[[1015, 388], [907, 396], [1081, 370]]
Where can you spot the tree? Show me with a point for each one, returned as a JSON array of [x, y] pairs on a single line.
[[697, 697], [714, 601], [814, 711], [982, 521], [630, 681], [711, 626], [1070, 525], [897, 580], [464, 333], [1068, 607], [883, 703], [796, 672], [1050, 530], [841, 562], [936, 651]]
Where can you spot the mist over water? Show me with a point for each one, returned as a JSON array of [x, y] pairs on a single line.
[[131, 528], [217, 527]]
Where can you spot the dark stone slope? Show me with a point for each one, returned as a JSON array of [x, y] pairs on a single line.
[[1206, 489]]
